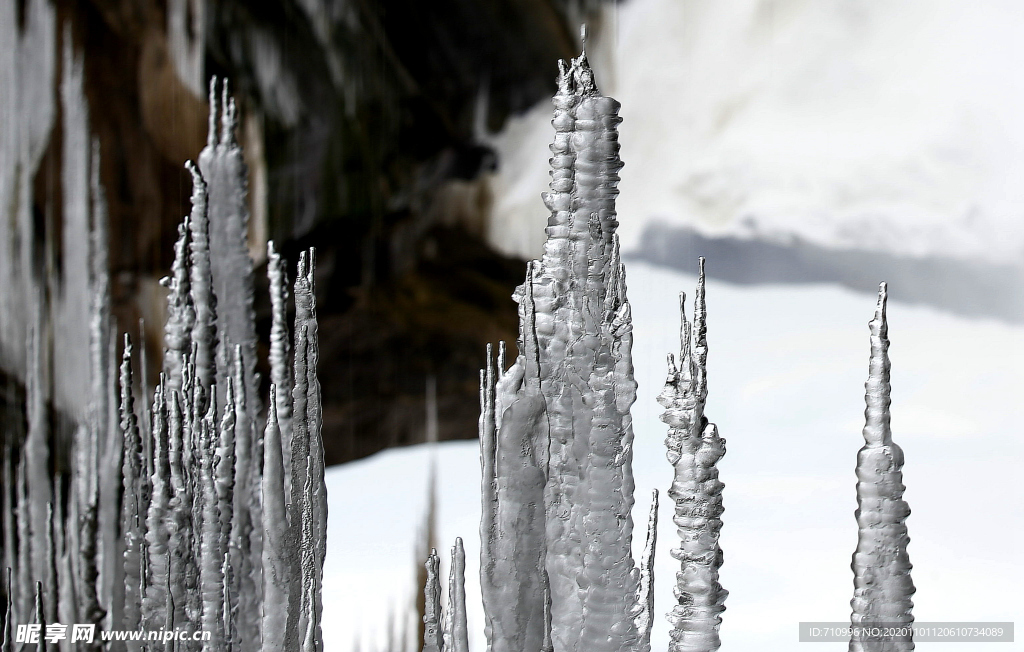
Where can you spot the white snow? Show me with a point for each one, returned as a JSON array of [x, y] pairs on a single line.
[[786, 376], [865, 125]]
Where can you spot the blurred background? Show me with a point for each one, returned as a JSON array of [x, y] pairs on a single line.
[[802, 146]]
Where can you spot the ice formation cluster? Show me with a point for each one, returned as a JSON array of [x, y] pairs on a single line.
[[180, 513], [556, 568]]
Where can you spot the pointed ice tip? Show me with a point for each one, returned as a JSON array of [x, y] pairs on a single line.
[[211, 134], [701, 265], [197, 176], [883, 294], [583, 36], [229, 116], [127, 353]]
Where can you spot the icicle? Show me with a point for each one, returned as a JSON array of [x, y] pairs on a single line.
[[277, 577], [211, 131], [225, 481], [40, 618], [308, 511], [310, 618], [645, 597], [159, 513], [8, 639], [204, 332], [25, 582], [231, 268], [560, 546], [181, 313], [488, 489], [245, 532], [131, 473], [432, 632], [318, 487], [694, 449], [211, 582], [146, 410], [457, 636], [179, 550], [85, 472], [36, 453], [513, 583], [50, 556], [7, 504], [280, 373], [66, 611], [881, 565], [227, 606]]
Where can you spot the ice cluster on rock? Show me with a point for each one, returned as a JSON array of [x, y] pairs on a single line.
[[178, 515]]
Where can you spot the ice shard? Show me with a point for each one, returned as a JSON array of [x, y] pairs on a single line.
[[881, 566], [694, 449]]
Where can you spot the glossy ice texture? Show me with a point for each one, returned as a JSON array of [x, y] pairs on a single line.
[[881, 565], [555, 428], [179, 515]]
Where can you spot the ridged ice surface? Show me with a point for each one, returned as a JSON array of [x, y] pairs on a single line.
[[556, 434], [881, 565], [694, 449], [164, 526]]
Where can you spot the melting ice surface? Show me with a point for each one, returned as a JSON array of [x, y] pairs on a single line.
[[786, 378]]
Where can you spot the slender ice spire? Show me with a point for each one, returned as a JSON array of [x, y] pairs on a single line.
[[36, 456], [433, 638], [7, 639], [645, 597], [211, 581], [181, 313], [280, 371], [276, 567], [881, 566], [694, 449], [159, 512], [204, 298], [457, 634], [225, 485], [556, 438], [231, 268], [131, 508]]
